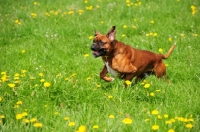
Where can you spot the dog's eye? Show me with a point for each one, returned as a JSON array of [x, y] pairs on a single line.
[[101, 42]]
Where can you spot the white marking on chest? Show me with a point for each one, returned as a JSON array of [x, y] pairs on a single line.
[[111, 71]]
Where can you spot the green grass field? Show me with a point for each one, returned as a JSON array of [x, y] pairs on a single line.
[[49, 80]]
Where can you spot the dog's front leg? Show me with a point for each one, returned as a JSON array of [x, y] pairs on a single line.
[[103, 75]]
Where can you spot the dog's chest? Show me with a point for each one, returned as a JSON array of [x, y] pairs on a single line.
[[110, 70]]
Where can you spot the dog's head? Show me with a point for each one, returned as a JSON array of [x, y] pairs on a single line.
[[102, 44]]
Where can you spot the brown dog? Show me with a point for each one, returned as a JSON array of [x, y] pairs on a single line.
[[124, 61]]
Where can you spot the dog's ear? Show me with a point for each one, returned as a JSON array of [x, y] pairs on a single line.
[[96, 33], [111, 34]]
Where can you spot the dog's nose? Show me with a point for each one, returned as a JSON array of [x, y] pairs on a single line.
[[93, 46]]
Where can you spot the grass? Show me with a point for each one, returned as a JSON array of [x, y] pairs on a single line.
[[50, 81]]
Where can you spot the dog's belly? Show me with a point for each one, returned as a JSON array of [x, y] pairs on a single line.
[[111, 71]]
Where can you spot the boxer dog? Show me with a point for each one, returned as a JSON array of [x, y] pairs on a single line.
[[124, 61]]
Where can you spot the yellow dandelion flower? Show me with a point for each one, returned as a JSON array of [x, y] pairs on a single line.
[[90, 37], [33, 120], [123, 35], [56, 113], [155, 34], [24, 114], [127, 82], [152, 94], [82, 129], [171, 130], [23, 51], [42, 80], [195, 35], [38, 125], [168, 122], [1, 99], [152, 22], [154, 112], [102, 22], [189, 126], [170, 39], [159, 117], [147, 85], [35, 3], [80, 11], [134, 27], [33, 15], [89, 8], [41, 74], [71, 123], [95, 127], [66, 118], [166, 65], [172, 120], [19, 116], [2, 116], [11, 85], [166, 115], [26, 120], [86, 55], [158, 90], [111, 116], [110, 96], [19, 102], [47, 84], [124, 26], [160, 50], [16, 106], [155, 127], [182, 35], [127, 121], [70, 12]]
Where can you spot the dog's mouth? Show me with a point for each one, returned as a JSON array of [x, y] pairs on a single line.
[[100, 52]]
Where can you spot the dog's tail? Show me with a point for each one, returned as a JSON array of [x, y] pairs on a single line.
[[169, 52]]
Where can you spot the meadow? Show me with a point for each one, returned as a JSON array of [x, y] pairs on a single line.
[[49, 80]]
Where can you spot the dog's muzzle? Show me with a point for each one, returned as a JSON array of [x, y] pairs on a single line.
[[97, 51]]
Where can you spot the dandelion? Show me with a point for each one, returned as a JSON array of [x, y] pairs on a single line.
[[102, 22], [127, 82], [42, 80], [95, 127], [35, 3], [33, 120], [110, 96], [38, 125], [80, 11], [159, 117], [171, 130], [166, 65], [16, 106], [166, 115], [152, 22], [70, 12], [11, 85], [172, 120], [123, 35], [147, 85], [47, 14], [23, 51], [154, 112], [124, 26], [24, 114], [134, 27], [1, 98], [2, 116], [155, 127], [86, 55], [82, 129], [168, 122], [66, 118], [160, 50], [158, 90], [56, 113], [19, 102], [71, 123], [152, 94], [170, 39], [89, 8], [194, 11], [127, 121], [182, 35], [111, 116], [189, 126], [33, 15], [195, 35], [90, 37], [19, 116], [26, 120], [47, 84], [155, 34], [41, 74]]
